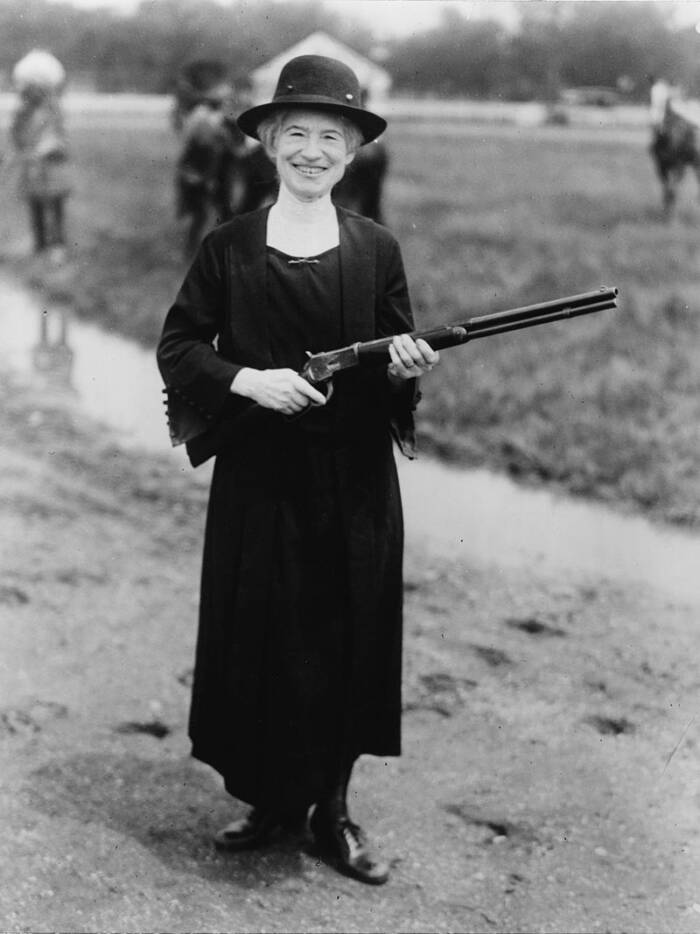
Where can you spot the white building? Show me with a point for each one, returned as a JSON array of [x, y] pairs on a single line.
[[374, 79]]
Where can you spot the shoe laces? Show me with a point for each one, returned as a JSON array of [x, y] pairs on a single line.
[[353, 837]]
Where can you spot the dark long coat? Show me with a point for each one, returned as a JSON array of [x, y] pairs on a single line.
[[299, 646]]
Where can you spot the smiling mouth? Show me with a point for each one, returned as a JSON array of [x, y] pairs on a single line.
[[311, 171]]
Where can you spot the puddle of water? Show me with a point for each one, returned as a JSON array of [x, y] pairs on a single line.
[[472, 516], [115, 381], [478, 516]]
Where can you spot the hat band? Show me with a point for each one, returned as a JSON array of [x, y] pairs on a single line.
[[302, 98]]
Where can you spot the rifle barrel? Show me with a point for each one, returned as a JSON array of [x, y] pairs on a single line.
[[558, 304], [499, 322], [560, 315]]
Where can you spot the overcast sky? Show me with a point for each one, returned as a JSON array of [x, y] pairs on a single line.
[[386, 17], [403, 17]]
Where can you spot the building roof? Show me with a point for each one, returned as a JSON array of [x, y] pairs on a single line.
[[371, 76]]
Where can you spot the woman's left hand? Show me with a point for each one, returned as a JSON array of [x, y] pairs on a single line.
[[410, 358]]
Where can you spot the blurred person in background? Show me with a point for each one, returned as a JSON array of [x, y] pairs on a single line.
[[202, 171], [39, 139], [298, 661]]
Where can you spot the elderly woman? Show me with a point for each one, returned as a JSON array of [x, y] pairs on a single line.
[[298, 661]]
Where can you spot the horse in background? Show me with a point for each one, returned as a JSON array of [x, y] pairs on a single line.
[[674, 149]]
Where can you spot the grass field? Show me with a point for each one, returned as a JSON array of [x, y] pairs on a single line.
[[488, 217]]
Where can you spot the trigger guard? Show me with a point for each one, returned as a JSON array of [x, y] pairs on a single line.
[[326, 389]]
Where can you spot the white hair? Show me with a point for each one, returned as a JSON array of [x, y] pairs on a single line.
[[269, 129]]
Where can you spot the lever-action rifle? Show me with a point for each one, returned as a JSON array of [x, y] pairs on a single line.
[[320, 368], [187, 424]]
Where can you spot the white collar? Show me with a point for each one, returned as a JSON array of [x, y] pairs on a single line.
[[302, 228]]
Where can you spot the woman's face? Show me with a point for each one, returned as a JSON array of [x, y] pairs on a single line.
[[311, 153]]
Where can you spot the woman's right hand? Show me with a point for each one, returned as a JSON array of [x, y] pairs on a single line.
[[281, 390]]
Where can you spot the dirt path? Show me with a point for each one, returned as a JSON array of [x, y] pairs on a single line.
[[549, 781]]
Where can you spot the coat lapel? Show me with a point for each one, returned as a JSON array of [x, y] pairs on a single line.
[[247, 262], [357, 275]]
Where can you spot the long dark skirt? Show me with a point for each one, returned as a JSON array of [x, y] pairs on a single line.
[[299, 650]]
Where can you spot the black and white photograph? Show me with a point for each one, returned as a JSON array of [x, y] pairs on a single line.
[[350, 466]]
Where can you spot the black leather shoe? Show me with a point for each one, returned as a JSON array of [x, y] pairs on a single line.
[[256, 828], [346, 845], [259, 826]]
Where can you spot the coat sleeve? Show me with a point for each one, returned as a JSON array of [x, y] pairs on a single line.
[[192, 370], [396, 317]]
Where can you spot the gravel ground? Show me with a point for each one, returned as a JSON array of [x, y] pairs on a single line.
[[548, 783]]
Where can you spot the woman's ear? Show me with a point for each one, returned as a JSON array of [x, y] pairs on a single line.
[[270, 147], [350, 156]]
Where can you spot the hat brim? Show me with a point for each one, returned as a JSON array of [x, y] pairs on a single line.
[[369, 124]]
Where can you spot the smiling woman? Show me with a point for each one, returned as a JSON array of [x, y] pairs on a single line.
[[298, 666], [310, 150]]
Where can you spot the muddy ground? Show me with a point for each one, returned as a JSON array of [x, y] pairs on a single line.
[[550, 775]]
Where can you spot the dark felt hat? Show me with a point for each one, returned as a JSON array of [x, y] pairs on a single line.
[[316, 82]]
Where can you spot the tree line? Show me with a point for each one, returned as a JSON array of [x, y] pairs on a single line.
[[554, 45]]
